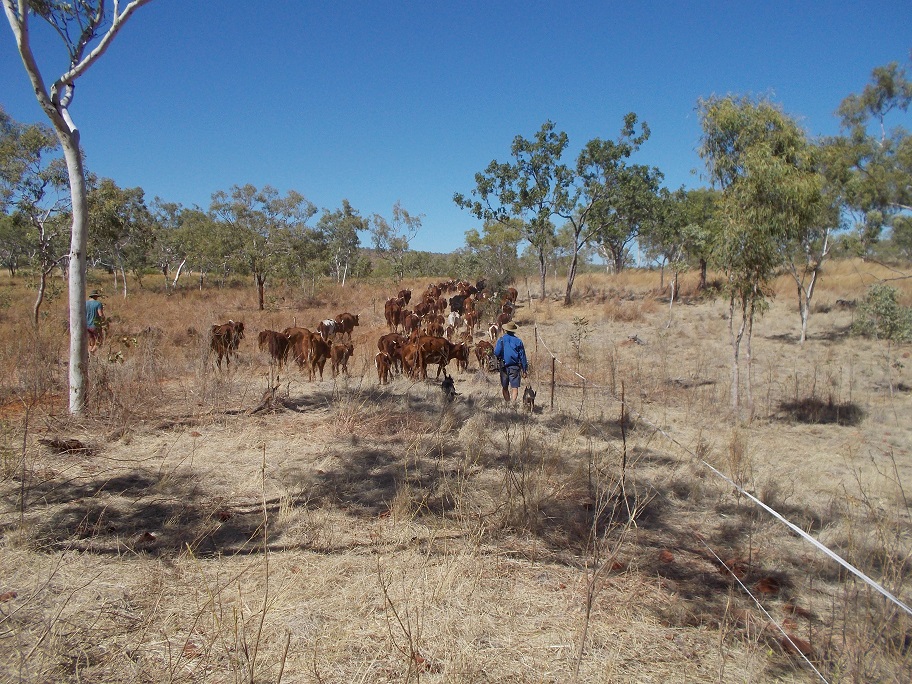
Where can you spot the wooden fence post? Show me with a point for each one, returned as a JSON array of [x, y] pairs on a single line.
[[552, 383]]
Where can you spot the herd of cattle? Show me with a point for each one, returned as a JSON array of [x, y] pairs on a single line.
[[420, 336]]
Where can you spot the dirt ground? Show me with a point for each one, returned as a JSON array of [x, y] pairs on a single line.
[[199, 526]]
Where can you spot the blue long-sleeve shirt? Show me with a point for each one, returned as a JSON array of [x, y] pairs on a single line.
[[511, 351]]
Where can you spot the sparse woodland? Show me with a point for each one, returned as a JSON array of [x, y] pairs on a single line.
[[167, 519], [184, 530]]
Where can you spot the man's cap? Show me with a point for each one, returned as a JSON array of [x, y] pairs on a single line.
[[95, 293], [511, 326]]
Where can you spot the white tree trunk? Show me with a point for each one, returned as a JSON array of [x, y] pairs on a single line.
[[178, 274], [79, 348], [55, 105]]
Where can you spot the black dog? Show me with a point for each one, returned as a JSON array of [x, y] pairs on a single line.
[[529, 399], [448, 387]]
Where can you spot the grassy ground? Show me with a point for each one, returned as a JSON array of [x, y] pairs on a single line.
[[351, 532]]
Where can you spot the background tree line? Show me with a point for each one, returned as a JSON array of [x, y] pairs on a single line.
[[856, 188], [247, 232]]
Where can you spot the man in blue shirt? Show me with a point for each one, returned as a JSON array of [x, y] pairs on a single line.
[[511, 353], [94, 319]]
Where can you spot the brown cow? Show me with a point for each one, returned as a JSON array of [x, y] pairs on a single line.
[[339, 355], [512, 294], [410, 321], [299, 345], [319, 352], [484, 352], [434, 328], [405, 296], [345, 324], [422, 308], [461, 354], [383, 363], [276, 344], [391, 344], [434, 349], [224, 340], [411, 359], [393, 312]]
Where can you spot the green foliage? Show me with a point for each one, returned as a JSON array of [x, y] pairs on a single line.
[[492, 253], [871, 165], [391, 239], [601, 199], [266, 226], [531, 189], [120, 226], [339, 231], [902, 236], [682, 232], [581, 330], [770, 189], [882, 317]]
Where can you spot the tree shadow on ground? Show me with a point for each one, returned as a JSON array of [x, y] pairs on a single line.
[[835, 334], [815, 411], [142, 511]]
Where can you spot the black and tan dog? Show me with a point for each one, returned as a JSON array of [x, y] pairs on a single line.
[[529, 399], [449, 388]]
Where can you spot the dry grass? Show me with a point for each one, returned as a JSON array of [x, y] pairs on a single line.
[[359, 533]]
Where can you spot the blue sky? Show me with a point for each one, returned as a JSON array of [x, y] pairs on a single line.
[[380, 102]]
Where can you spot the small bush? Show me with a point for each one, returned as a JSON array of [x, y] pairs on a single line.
[[881, 316]]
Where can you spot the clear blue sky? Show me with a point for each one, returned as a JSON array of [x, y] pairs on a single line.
[[379, 102]]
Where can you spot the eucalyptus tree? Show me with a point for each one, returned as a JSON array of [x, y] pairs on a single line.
[[534, 188], [33, 187], [303, 255], [665, 241], [872, 162], [630, 206], [166, 252], [902, 236], [492, 253], [206, 245], [14, 243], [808, 247], [259, 218], [700, 206], [391, 239], [680, 236], [86, 29], [340, 233], [120, 230], [770, 193], [602, 173]]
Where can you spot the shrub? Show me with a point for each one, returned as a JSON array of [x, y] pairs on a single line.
[[881, 316]]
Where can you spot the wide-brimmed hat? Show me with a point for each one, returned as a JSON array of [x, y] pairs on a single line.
[[511, 326], [95, 293]]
